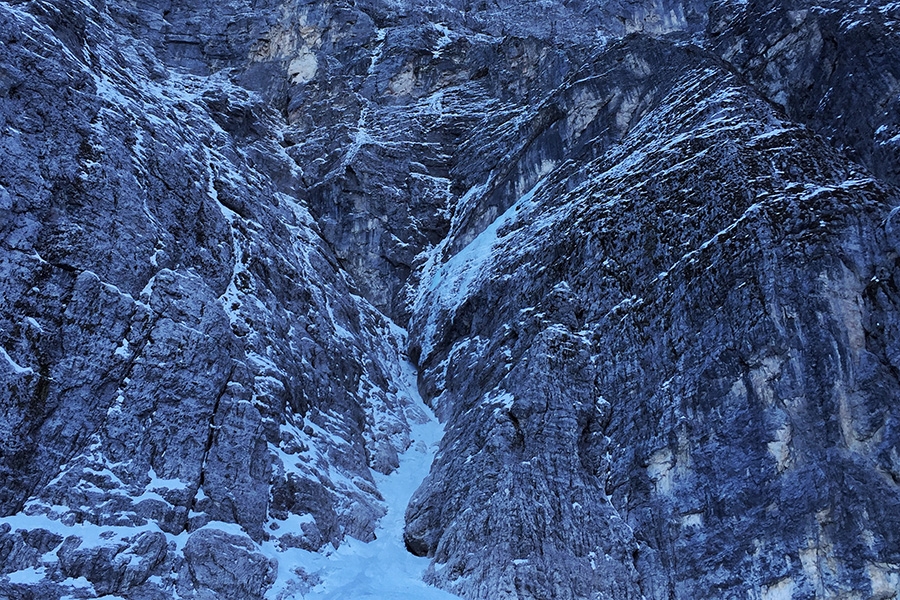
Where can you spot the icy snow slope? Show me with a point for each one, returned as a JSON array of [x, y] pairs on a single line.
[[381, 569]]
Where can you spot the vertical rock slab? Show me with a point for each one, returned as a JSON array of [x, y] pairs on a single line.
[[699, 288]]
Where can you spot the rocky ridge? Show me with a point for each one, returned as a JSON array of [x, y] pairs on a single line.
[[646, 253]]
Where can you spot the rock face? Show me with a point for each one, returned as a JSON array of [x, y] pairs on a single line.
[[666, 370], [646, 253]]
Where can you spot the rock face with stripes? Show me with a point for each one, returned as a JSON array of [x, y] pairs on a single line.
[[643, 254], [666, 356]]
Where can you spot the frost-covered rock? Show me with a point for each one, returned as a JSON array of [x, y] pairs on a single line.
[[225, 565], [180, 346], [663, 362], [645, 251]]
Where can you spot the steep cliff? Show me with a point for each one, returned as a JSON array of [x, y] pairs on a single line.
[[646, 253], [672, 361]]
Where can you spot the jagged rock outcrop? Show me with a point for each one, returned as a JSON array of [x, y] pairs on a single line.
[[180, 347], [832, 66], [646, 252], [659, 300]]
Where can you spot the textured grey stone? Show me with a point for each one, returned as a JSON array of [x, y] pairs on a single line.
[[23, 549], [671, 372], [114, 569], [735, 394], [168, 354], [225, 565], [830, 65]]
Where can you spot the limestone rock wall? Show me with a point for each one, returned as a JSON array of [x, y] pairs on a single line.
[[645, 251]]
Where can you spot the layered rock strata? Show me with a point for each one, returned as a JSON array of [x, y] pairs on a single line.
[[646, 253]]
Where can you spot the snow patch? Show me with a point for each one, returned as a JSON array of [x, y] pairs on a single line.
[[447, 286], [16, 367], [442, 42], [27, 576]]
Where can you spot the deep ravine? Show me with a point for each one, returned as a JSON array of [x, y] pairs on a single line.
[[381, 569]]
